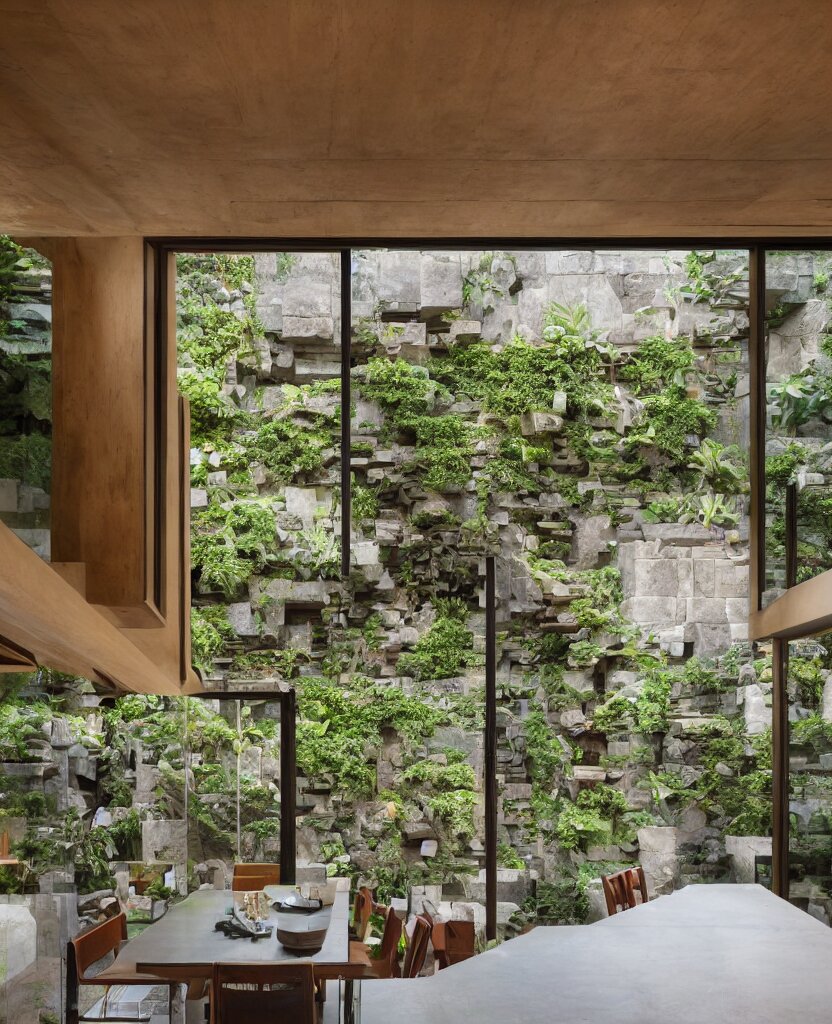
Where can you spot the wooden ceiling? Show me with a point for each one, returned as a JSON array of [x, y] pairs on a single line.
[[415, 117]]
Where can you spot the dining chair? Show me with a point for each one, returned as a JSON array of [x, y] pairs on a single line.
[[261, 992], [453, 942], [417, 948], [120, 987], [386, 964], [361, 909], [620, 889], [251, 877]]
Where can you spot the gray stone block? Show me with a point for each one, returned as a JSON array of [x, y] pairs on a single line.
[[441, 282], [165, 841]]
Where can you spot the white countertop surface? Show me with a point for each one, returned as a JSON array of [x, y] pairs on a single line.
[[705, 955]]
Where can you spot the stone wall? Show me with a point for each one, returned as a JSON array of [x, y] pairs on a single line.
[[633, 715], [581, 495]]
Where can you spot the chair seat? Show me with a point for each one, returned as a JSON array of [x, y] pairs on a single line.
[[118, 975], [374, 967], [360, 954]]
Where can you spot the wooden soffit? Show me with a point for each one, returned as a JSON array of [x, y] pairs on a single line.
[[336, 118]]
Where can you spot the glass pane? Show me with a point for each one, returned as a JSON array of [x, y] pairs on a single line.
[[233, 758], [259, 359], [810, 776], [799, 414], [25, 393], [583, 416], [417, 579]]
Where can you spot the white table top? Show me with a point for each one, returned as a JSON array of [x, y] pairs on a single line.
[[705, 955]]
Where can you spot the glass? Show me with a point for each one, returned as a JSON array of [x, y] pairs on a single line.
[[259, 358], [25, 394], [583, 416], [417, 531], [233, 796], [810, 776], [798, 464]]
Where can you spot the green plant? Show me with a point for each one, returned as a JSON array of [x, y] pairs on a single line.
[[658, 363], [711, 510], [713, 462], [444, 650], [561, 902], [795, 401], [365, 502], [507, 857], [653, 703], [665, 510], [210, 631], [157, 890], [671, 420]]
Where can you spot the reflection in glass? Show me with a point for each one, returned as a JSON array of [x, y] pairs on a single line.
[[810, 776], [798, 448]]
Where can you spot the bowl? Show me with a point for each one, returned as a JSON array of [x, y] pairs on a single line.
[[301, 940]]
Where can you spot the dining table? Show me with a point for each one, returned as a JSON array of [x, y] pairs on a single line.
[[184, 945], [706, 954]]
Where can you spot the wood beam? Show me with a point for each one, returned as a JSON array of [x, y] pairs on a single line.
[[48, 616], [105, 426]]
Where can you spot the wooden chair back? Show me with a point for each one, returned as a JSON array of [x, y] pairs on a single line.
[[389, 959], [252, 877], [453, 942], [620, 889], [95, 944], [417, 948], [361, 910], [262, 992]]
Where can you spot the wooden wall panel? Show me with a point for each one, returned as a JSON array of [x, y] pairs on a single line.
[[170, 644], [102, 479]]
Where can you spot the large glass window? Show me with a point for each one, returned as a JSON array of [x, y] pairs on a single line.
[[25, 393], [798, 387], [809, 695], [259, 360], [581, 416]]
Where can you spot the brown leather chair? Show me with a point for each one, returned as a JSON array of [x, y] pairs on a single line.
[[254, 877], [386, 965], [417, 948], [86, 950], [620, 889], [262, 992]]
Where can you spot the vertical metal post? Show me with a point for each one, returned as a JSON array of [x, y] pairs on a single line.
[[780, 770], [239, 748], [288, 787], [186, 759], [346, 404], [791, 535], [490, 766], [757, 419]]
